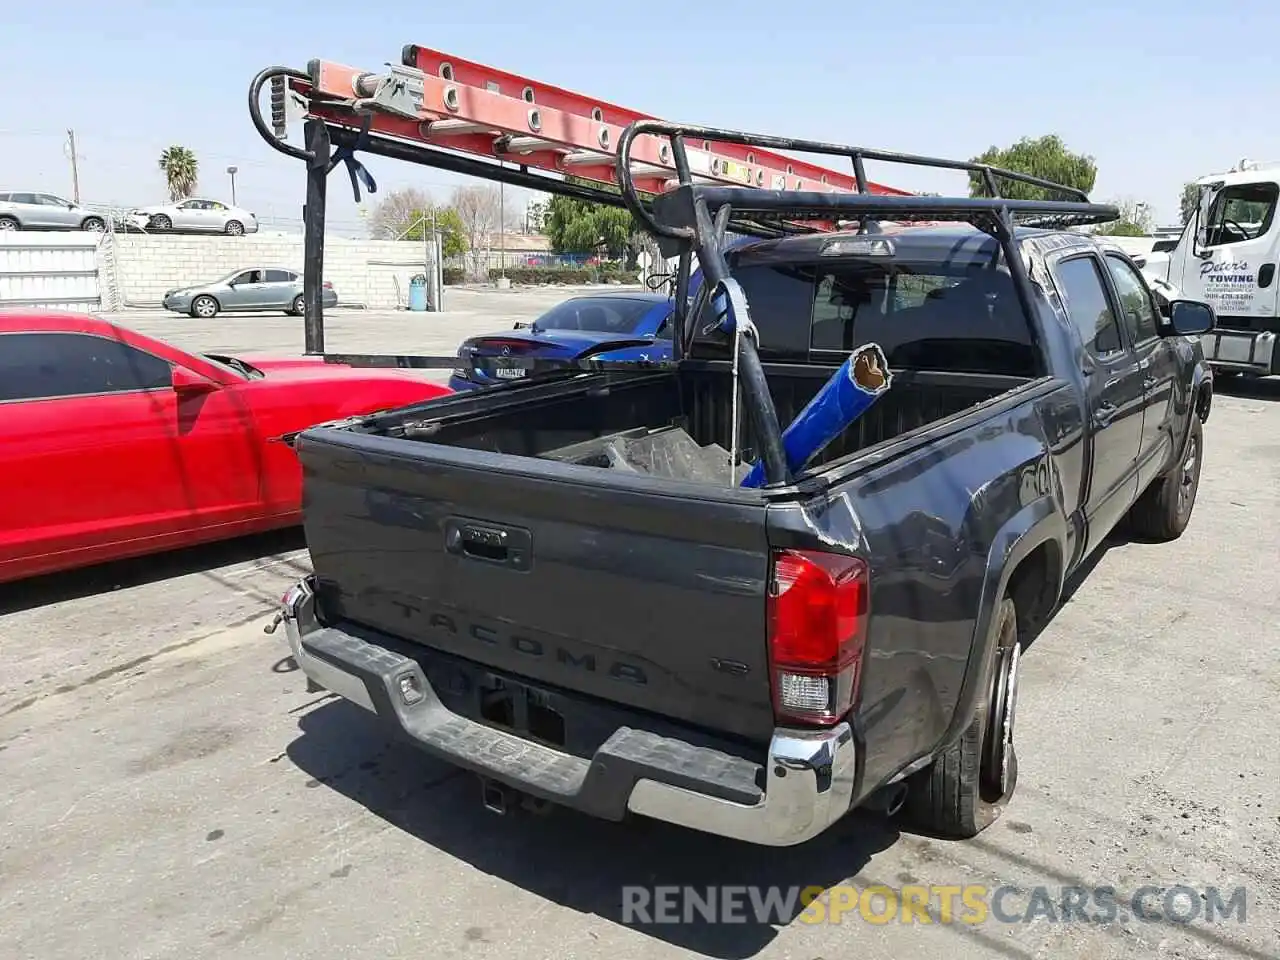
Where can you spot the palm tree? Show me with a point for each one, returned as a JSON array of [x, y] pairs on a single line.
[[181, 170]]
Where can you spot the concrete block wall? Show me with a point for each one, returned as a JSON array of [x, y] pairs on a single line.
[[369, 273]]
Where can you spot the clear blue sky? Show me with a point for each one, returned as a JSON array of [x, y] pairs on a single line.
[[1157, 92]]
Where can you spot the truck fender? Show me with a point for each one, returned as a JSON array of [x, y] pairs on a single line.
[[1038, 522], [1200, 399]]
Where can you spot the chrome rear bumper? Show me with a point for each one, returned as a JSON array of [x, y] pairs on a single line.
[[806, 784]]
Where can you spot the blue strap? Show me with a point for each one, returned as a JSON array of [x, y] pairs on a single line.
[[355, 169]]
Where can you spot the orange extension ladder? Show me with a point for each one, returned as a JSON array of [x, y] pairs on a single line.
[[439, 100]]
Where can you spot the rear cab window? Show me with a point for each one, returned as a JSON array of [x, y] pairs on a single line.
[[958, 314]]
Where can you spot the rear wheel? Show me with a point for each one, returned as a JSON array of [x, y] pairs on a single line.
[[9, 223], [1164, 509], [964, 790], [206, 308], [299, 306]]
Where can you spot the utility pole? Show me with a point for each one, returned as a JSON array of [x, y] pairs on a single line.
[[75, 169], [502, 229], [232, 171]]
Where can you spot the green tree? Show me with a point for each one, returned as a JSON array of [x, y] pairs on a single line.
[[1046, 157], [410, 214], [580, 226], [181, 171], [1122, 228], [1135, 221], [1188, 202]]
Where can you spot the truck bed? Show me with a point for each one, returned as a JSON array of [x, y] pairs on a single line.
[[449, 526], [698, 398]]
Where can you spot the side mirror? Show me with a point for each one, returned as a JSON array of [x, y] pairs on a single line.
[[187, 383], [1190, 318]]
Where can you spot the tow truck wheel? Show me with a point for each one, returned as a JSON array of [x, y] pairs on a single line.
[[1164, 509], [964, 790]]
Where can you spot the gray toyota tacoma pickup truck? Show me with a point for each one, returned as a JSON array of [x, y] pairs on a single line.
[[516, 582]]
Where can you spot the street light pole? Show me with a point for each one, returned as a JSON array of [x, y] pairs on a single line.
[[232, 171]]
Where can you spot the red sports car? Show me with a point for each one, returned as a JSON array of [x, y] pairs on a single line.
[[113, 444]]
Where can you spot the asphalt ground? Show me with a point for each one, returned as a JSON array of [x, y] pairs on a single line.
[[172, 790]]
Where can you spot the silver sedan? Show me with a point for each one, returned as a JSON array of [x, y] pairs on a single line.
[[256, 289], [45, 211], [196, 215]]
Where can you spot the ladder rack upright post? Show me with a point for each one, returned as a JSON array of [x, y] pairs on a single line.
[[313, 225]]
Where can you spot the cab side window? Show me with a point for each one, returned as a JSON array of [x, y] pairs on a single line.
[[1084, 294], [1135, 300]]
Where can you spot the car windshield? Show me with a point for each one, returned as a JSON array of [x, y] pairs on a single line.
[[595, 314]]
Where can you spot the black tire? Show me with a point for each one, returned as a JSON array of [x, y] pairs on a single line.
[[299, 306], [204, 307], [1164, 509], [9, 223], [161, 222], [93, 225], [234, 228], [964, 790]]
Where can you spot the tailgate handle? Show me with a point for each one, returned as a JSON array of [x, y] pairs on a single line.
[[488, 542]]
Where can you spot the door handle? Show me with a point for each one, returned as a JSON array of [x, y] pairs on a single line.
[[1112, 383], [1105, 413], [1148, 383], [494, 543]]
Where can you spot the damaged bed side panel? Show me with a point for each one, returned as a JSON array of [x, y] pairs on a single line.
[[932, 523]]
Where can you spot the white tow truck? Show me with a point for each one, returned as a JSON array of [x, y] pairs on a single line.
[[1227, 255]]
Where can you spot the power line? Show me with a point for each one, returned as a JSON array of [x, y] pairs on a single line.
[[239, 160]]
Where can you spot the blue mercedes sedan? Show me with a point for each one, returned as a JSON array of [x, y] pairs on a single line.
[[622, 326]]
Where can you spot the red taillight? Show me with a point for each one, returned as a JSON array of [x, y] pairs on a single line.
[[817, 613], [328, 285], [510, 346]]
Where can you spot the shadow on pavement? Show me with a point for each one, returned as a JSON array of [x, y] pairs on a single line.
[[567, 858], [105, 577]]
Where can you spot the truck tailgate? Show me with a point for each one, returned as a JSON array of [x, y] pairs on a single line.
[[570, 577]]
